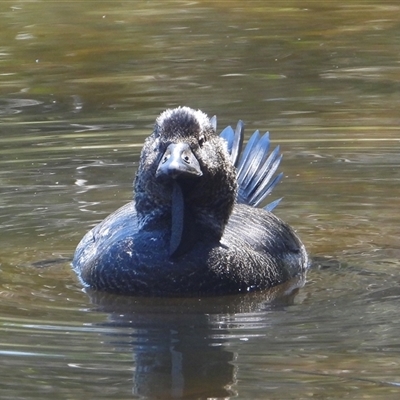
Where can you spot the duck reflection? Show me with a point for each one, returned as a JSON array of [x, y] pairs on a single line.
[[182, 347]]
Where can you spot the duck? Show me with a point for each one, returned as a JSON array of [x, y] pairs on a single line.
[[194, 227]]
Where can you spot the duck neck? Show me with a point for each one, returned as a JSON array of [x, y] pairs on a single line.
[[186, 222]]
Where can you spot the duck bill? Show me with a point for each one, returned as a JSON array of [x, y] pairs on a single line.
[[178, 161]]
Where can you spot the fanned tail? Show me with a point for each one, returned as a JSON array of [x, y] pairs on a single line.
[[256, 167]]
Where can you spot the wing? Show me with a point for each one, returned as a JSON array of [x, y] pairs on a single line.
[[256, 168]]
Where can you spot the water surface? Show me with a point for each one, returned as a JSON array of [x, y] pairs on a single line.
[[80, 86]]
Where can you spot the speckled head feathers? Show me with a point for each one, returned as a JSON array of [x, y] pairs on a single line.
[[182, 122]]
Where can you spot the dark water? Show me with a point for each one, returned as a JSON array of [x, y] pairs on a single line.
[[80, 86]]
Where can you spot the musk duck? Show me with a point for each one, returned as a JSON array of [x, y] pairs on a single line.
[[194, 227]]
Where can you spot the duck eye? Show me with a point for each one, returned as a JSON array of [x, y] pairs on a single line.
[[201, 141]]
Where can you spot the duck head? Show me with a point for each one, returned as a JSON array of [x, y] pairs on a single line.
[[185, 180]]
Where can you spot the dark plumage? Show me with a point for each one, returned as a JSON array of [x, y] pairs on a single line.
[[193, 227]]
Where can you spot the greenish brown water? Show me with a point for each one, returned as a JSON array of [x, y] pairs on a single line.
[[81, 83]]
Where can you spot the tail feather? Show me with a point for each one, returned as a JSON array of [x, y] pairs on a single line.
[[237, 143], [234, 140], [263, 182], [229, 135], [256, 168], [272, 205]]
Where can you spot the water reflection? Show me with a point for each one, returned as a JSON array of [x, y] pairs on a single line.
[[182, 347]]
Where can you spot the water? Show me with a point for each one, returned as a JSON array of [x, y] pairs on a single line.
[[80, 88]]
